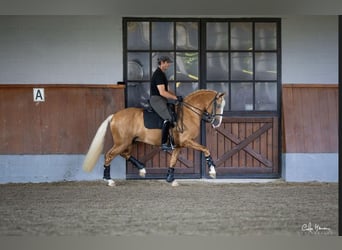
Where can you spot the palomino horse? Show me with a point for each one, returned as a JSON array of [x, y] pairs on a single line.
[[127, 127]]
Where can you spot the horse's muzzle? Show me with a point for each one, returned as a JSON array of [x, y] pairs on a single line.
[[216, 122]]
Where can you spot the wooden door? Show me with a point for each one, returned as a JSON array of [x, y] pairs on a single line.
[[245, 146]]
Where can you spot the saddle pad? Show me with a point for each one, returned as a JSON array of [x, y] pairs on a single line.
[[152, 120]]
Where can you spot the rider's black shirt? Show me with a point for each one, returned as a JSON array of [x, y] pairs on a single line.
[[158, 78]]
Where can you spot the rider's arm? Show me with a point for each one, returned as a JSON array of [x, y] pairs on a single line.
[[167, 94]]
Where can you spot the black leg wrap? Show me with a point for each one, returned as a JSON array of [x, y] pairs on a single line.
[[210, 161], [170, 175], [106, 173], [136, 163]]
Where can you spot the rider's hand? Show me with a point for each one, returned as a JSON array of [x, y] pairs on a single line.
[[179, 98]]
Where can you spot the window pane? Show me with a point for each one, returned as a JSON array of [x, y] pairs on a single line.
[[241, 66], [265, 36], [185, 88], [221, 87], [138, 35], [187, 66], [138, 66], [138, 94], [162, 35], [266, 96], [266, 66], [217, 66], [187, 35], [170, 75], [241, 36], [217, 36], [242, 96]]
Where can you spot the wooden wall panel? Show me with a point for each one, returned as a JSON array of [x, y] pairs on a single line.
[[64, 124], [310, 118]]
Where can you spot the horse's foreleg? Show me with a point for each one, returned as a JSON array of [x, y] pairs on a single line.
[[170, 177], [206, 152]]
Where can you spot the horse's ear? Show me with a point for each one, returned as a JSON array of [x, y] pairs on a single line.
[[220, 95]]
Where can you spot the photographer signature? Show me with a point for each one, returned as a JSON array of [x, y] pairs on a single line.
[[315, 229]]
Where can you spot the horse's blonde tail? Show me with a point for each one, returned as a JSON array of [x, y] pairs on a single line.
[[96, 146]]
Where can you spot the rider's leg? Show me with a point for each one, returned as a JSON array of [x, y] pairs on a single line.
[[165, 141]]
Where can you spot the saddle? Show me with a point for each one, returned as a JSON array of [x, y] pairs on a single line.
[[153, 121]]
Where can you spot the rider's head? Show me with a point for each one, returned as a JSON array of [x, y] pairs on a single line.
[[164, 62]]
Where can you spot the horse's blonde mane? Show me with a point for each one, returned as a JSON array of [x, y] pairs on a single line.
[[198, 92]]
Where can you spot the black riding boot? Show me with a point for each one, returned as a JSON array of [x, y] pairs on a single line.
[[165, 142]]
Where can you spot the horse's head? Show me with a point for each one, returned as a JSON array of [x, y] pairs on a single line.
[[213, 114], [208, 104]]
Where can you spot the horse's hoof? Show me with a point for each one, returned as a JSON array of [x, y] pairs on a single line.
[[111, 183], [212, 173], [142, 172], [174, 183]]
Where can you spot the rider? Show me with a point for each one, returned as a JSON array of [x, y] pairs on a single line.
[[160, 94]]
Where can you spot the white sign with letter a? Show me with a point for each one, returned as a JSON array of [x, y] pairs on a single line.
[[38, 95]]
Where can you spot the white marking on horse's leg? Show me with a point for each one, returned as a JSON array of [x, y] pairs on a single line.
[[142, 172], [212, 172], [111, 183], [174, 183]]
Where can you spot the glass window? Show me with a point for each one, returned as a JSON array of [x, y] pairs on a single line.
[[266, 96], [187, 35], [237, 56], [241, 36], [138, 36], [241, 66], [266, 66], [185, 88], [217, 66], [138, 66], [265, 36], [242, 96], [138, 94], [217, 36], [187, 66], [162, 36]]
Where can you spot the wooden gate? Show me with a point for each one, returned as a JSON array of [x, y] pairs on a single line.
[[245, 146]]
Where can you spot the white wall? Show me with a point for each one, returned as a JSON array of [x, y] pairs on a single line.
[[310, 49], [60, 49]]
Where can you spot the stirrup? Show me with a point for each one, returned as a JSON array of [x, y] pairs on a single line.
[[167, 147]]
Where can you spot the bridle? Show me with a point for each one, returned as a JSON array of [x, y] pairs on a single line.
[[205, 115]]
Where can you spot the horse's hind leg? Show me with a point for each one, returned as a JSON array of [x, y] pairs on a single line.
[[110, 155], [139, 165]]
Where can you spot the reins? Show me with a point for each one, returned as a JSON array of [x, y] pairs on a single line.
[[205, 115]]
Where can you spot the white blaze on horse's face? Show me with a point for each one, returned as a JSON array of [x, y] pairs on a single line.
[[219, 111]]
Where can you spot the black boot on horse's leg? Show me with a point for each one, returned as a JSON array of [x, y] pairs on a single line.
[[139, 165], [106, 176], [106, 173], [136, 163], [170, 175], [211, 166], [166, 143]]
